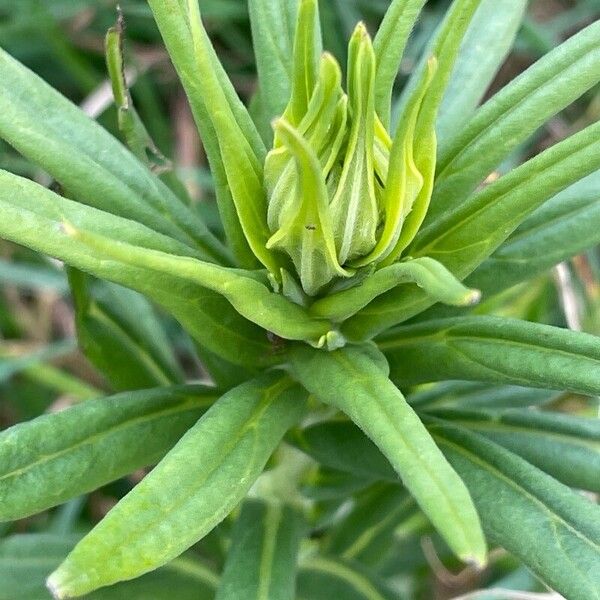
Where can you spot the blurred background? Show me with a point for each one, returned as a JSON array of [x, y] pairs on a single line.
[[41, 368]]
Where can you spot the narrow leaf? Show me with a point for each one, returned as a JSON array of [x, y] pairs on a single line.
[[192, 489], [564, 446], [273, 29], [261, 563], [514, 114], [59, 456], [389, 45], [323, 578], [120, 334], [351, 381], [486, 44], [437, 282], [534, 517], [92, 166], [495, 350]]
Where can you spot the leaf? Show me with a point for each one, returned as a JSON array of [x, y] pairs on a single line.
[[246, 291], [59, 456], [26, 559], [35, 217], [431, 276], [261, 563], [120, 334], [514, 114], [351, 381], [92, 166], [495, 350], [534, 517], [341, 445], [467, 395], [212, 96], [486, 44], [323, 578], [564, 446], [545, 238], [192, 489], [32, 276], [389, 45], [366, 532], [465, 237], [273, 29], [323, 484]]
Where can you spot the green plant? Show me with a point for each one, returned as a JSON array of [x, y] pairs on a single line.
[[315, 306]]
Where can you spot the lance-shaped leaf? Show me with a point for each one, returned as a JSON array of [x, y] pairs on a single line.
[[566, 447], [366, 532], [389, 45], [195, 72], [444, 49], [261, 562], [464, 238], [34, 216], [26, 560], [305, 68], [354, 209], [404, 181], [65, 454], [534, 517], [273, 27], [351, 381], [486, 44], [192, 489], [513, 114], [428, 274], [92, 166], [243, 167], [248, 292], [495, 350], [307, 236], [341, 445], [120, 334], [468, 394], [545, 238], [324, 577]]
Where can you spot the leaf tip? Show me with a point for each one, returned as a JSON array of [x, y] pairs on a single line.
[[68, 229], [54, 587], [472, 297]]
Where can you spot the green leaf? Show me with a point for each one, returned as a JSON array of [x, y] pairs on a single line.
[[324, 578], [465, 237], [26, 560], [545, 238], [248, 292], [564, 446], [495, 350], [305, 66], [120, 334], [323, 484], [261, 563], [59, 456], [366, 532], [534, 517], [192, 489], [92, 166], [486, 44], [351, 381], [32, 276], [389, 45], [273, 27], [208, 87], [428, 274], [341, 445], [468, 394], [512, 115], [35, 217]]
